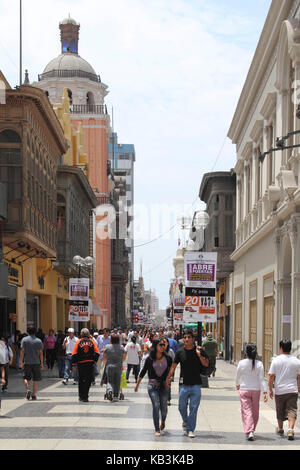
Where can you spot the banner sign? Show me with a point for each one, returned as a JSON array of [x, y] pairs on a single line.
[[178, 301], [79, 311], [200, 292], [79, 289]]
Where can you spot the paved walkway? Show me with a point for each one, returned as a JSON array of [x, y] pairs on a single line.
[[57, 421]]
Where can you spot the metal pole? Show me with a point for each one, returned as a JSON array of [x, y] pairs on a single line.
[[21, 52], [199, 339]]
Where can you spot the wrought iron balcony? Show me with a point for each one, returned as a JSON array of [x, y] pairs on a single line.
[[89, 109]]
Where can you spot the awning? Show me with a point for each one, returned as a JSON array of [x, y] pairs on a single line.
[[96, 310]]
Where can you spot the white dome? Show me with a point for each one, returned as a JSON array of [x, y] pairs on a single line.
[[69, 61], [69, 21]]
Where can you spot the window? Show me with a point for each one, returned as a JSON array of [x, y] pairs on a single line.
[[65, 45], [229, 231], [74, 47], [216, 205], [228, 202], [9, 136]]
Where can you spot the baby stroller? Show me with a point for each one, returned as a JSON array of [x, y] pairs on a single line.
[[108, 395]]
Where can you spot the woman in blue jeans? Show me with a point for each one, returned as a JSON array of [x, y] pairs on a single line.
[[158, 366]]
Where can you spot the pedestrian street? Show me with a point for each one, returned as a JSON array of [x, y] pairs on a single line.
[[58, 421]]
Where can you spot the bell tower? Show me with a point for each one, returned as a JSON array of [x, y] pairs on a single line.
[[69, 34]]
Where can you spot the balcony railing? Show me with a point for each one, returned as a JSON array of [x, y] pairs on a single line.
[[69, 74], [88, 109]]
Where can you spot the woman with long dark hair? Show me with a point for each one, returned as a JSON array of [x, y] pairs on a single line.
[[157, 365], [250, 382]]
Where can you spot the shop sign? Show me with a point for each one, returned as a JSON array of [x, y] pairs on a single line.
[[200, 293], [79, 289], [15, 273], [79, 311]]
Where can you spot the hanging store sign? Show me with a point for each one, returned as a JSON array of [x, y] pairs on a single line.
[[79, 311], [200, 292], [15, 273], [79, 289]]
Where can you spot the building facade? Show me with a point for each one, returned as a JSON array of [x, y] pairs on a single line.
[[86, 93], [31, 143], [218, 190], [266, 278], [122, 158]]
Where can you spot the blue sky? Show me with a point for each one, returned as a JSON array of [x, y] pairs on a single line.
[[175, 70]]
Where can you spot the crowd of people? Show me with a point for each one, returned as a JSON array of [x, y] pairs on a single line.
[[157, 353]]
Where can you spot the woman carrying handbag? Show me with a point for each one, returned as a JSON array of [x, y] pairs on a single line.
[[157, 365]]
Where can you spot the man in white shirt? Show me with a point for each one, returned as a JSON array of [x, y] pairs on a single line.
[[68, 345], [285, 371]]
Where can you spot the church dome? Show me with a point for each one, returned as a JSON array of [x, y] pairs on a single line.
[[69, 62], [69, 20]]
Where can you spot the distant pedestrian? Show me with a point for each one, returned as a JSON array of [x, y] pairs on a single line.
[[158, 366], [173, 343], [210, 346], [49, 345], [285, 371], [8, 361], [60, 353], [134, 353], [68, 346], [31, 361], [85, 354], [102, 342], [2, 381], [194, 362], [250, 382], [114, 356]]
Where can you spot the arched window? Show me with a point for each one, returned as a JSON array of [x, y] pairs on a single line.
[[70, 95], [74, 46], [90, 100], [65, 45], [9, 136]]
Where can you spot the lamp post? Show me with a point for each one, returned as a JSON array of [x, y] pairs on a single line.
[[79, 261], [196, 243]]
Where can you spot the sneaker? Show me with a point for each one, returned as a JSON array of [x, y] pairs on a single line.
[[75, 383], [33, 397], [191, 434], [28, 394], [279, 431], [250, 436], [290, 435], [65, 381]]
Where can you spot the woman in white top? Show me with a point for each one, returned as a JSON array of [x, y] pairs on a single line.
[[250, 382]]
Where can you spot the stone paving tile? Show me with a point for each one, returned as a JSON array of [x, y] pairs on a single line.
[[58, 421]]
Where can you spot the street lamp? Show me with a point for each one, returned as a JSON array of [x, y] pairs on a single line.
[[79, 261], [199, 224]]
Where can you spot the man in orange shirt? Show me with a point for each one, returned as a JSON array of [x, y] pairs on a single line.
[[85, 355]]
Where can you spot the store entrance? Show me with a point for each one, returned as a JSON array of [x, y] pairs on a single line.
[[33, 311]]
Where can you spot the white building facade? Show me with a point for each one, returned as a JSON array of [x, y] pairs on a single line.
[[266, 279]]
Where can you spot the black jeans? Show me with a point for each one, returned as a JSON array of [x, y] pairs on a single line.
[[50, 358], [85, 378]]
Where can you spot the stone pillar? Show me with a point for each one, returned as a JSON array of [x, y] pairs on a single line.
[[294, 232]]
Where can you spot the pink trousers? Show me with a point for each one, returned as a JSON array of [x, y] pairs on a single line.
[[250, 409]]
